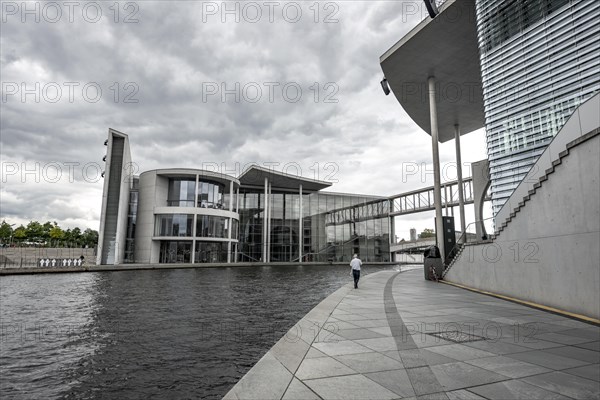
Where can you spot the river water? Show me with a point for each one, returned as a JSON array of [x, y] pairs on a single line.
[[183, 333]]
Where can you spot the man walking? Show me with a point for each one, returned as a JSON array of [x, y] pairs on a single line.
[[356, 264]]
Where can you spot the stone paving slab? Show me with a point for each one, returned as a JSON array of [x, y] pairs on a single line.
[[400, 337]]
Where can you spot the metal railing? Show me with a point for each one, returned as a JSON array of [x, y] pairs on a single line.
[[467, 236]]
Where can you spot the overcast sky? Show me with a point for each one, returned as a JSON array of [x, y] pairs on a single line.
[[205, 84]]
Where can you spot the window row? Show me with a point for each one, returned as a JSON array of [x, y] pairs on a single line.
[[182, 193], [206, 226], [204, 252]]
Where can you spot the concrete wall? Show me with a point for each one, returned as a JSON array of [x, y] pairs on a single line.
[[30, 255], [549, 252], [144, 229]]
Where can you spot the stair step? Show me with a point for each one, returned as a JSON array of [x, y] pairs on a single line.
[[556, 162], [563, 153], [549, 171]]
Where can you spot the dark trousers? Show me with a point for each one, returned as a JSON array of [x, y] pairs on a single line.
[[356, 275]]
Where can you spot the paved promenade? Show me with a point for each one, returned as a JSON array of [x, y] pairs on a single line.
[[400, 337]]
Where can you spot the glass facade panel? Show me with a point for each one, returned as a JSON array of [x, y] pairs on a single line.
[[211, 195], [181, 192], [131, 222], [335, 226], [210, 252], [172, 251], [212, 226], [539, 62], [173, 225]]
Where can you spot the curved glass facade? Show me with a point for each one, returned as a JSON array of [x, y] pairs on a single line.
[[172, 251], [174, 225], [210, 252], [213, 226], [211, 195], [539, 62], [181, 192]]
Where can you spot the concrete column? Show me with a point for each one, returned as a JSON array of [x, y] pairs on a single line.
[[230, 196], [194, 233], [437, 193], [269, 213], [265, 208], [461, 199], [193, 258], [300, 227]]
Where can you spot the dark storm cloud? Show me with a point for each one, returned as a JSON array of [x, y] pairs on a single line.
[[169, 61]]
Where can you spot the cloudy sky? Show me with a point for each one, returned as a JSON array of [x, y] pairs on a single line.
[[205, 84]]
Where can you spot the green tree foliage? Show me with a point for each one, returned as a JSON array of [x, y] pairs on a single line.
[[47, 234], [34, 231], [427, 233], [56, 234], [20, 233], [89, 237], [6, 232]]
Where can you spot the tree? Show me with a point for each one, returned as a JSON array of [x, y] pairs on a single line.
[[34, 231], [90, 237], [427, 233], [48, 232], [56, 234], [46, 228], [6, 232], [20, 233]]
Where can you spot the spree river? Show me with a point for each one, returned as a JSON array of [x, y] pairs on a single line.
[[183, 333]]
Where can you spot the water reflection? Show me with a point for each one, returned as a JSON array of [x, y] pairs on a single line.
[[132, 334]]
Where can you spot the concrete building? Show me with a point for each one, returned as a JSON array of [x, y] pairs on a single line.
[[517, 69], [524, 71], [539, 61], [197, 216]]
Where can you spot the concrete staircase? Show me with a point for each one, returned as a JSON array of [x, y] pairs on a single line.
[[544, 178], [551, 158]]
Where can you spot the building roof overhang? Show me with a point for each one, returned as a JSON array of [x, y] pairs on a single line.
[[255, 175], [188, 173], [446, 48]]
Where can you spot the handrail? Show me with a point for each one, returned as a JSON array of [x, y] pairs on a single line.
[[460, 243], [252, 258], [461, 239]]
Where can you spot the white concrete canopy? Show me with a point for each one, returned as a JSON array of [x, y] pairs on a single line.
[[445, 48], [255, 176]]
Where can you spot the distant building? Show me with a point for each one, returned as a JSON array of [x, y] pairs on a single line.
[[194, 216], [413, 234], [539, 61]]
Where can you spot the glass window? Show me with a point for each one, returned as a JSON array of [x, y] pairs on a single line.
[[210, 195], [172, 251], [212, 226], [181, 192], [210, 252], [173, 225]]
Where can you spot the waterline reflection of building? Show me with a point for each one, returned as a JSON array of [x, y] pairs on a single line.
[[198, 216]]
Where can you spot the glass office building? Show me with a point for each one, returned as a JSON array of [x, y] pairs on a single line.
[[540, 59], [183, 215], [324, 227]]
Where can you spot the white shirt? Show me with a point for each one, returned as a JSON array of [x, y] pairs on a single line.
[[356, 263]]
